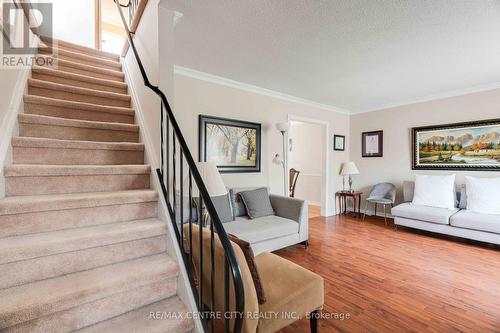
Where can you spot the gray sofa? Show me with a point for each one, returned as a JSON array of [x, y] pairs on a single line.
[[458, 222], [287, 227]]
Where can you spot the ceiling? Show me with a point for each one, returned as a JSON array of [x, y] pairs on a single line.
[[358, 55]]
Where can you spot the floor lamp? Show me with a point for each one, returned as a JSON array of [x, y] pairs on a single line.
[[283, 128]]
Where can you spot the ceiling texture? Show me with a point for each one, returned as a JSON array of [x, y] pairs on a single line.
[[358, 55]]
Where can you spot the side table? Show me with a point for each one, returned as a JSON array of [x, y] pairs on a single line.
[[355, 196]]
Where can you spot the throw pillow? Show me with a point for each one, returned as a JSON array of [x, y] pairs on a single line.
[[257, 203], [435, 191], [250, 259], [223, 208], [483, 195], [462, 202]]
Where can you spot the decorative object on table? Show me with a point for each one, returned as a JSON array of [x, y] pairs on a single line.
[[461, 146], [356, 198], [294, 175], [233, 145], [283, 128], [338, 142], [216, 189], [381, 194], [349, 169], [372, 144]]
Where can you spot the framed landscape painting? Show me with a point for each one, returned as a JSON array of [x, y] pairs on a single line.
[[460, 146], [233, 145]]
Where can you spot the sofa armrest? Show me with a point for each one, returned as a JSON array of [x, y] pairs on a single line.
[[292, 209]]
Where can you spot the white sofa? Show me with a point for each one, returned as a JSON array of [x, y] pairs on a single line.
[[457, 222], [287, 227]]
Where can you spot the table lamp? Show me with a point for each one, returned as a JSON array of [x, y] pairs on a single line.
[[349, 169]]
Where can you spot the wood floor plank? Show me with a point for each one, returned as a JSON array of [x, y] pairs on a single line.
[[401, 280]]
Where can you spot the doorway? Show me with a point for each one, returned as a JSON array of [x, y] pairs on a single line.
[[110, 33], [308, 154]]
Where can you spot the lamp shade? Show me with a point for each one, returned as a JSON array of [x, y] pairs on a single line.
[[349, 168], [283, 127], [212, 178]]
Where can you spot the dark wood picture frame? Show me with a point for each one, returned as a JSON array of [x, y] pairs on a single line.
[[459, 166], [205, 120], [335, 137], [380, 152]]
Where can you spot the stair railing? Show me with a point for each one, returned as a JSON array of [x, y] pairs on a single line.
[[175, 155]]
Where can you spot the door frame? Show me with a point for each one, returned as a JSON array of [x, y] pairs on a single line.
[[325, 159], [97, 24]]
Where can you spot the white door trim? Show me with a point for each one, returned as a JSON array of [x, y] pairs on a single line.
[[325, 184]]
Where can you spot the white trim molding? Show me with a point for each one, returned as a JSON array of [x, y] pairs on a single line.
[[325, 184], [254, 89]]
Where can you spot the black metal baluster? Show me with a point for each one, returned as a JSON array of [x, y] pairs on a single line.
[[174, 207], [161, 144], [181, 199], [212, 261], [167, 185], [200, 226], [226, 295], [190, 268]]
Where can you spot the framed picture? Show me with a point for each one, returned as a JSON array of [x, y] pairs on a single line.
[[233, 145], [338, 142], [372, 144], [461, 146]]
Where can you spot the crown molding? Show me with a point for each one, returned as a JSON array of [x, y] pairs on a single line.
[[433, 97], [254, 89]]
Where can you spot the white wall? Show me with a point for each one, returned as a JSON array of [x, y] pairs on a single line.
[[74, 21], [397, 122], [147, 43], [195, 96], [306, 156]]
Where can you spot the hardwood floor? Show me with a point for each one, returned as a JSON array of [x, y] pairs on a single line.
[[399, 281], [314, 211]]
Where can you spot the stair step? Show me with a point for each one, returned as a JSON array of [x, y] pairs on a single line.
[[140, 320], [82, 69], [28, 271], [24, 215], [77, 80], [69, 152], [76, 94], [82, 58], [38, 126], [31, 246], [80, 49], [76, 110], [97, 311], [32, 179], [27, 302]]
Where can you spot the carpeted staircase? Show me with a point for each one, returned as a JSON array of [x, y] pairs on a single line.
[[81, 247]]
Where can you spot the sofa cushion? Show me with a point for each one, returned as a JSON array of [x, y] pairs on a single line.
[[223, 207], [261, 229], [236, 202], [471, 220], [424, 213], [290, 289], [257, 203], [252, 266]]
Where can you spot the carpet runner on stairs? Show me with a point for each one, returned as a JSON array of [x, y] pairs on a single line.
[[81, 244]]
